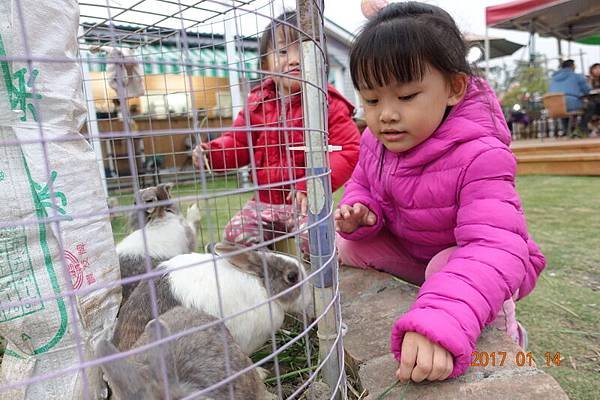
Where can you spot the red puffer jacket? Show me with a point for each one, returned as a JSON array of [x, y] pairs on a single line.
[[273, 163]]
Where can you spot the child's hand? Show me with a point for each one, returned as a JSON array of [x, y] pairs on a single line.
[[301, 201], [348, 219], [198, 156], [422, 359]]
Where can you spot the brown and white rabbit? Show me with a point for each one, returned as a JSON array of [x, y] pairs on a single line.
[[193, 362], [242, 283], [167, 234]]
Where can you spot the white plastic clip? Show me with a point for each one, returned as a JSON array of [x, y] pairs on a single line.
[[330, 148]]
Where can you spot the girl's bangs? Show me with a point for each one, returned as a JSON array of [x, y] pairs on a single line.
[[287, 33], [385, 56]]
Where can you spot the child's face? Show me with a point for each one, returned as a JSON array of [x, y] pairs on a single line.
[[284, 58], [596, 71], [401, 116]]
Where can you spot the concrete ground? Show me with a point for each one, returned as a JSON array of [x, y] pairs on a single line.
[[372, 301]]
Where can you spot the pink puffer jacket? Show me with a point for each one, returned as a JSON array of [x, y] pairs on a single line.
[[455, 189]]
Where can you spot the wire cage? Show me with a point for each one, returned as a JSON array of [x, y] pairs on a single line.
[[107, 107]]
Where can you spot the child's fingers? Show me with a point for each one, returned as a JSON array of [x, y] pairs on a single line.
[[363, 215], [439, 365], [407, 361], [342, 227], [398, 374], [359, 209], [345, 226], [198, 156], [303, 205], [370, 219], [449, 366], [346, 211], [195, 159], [337, 214], [424, 363]]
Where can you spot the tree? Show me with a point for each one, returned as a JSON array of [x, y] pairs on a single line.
[[527, 84]]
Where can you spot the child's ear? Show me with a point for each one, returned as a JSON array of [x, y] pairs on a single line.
[[458, 88]]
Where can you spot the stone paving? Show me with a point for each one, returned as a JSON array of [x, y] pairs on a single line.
[[371, 302]]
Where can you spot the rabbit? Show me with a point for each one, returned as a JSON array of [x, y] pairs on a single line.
[[242, 285], [167, 235], [193, 362]]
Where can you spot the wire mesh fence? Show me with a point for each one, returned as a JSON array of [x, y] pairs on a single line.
[[166, 201]]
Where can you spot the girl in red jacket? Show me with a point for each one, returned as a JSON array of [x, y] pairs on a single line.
[[263, 134]]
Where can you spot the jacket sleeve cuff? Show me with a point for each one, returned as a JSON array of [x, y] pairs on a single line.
[[442, 329]]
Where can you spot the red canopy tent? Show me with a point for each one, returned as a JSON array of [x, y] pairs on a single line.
[[562, 19], [572, 20]]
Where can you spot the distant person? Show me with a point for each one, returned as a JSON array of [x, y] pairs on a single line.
[[594, 77], [572, 84], [594, 126], [592, 114]]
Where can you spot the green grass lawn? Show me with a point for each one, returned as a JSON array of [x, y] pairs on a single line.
[[563, 312]]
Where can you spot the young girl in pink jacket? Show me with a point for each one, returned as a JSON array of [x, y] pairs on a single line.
[[432, 199]]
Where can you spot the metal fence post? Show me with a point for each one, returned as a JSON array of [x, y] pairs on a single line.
[[321, 236]]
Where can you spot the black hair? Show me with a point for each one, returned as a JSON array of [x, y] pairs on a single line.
[[398, 44], [289, 22], [266, 43], [567, 64], [594, 80], [401, 40]]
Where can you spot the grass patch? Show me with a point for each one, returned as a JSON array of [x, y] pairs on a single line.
[[216, 212], [296, 363], [562, 313]]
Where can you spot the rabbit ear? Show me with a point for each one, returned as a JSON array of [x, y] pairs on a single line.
[[157, 330], [122, 377], [222, 248], [248, 261], [164, 190]]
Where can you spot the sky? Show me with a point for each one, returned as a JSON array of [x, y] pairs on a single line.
[[469, 15]]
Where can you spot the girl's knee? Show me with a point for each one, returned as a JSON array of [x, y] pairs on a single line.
[[241, 234], [438, 261]]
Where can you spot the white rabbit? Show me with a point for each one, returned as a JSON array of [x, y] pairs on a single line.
[[167, 235], [243, 284], [193, 362]]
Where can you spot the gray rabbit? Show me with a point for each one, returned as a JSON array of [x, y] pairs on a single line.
[[191, 280], [167, 234], [193, 362]]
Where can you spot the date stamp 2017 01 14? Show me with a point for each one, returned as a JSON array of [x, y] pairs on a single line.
[[521, 359]]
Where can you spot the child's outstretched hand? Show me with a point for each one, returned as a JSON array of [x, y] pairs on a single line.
[[301, 201], [199, 156], [348, 219], [422, 359]]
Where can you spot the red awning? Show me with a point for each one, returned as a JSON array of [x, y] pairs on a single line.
[[514, 9], [563, 19]]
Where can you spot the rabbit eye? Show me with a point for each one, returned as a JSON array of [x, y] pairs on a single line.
[[292, 277]]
